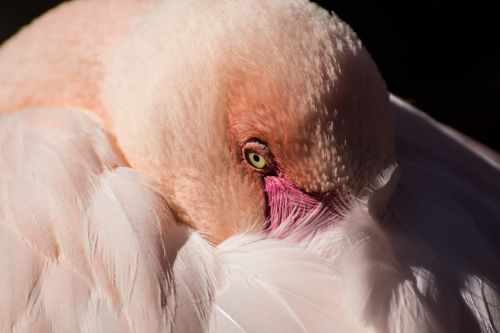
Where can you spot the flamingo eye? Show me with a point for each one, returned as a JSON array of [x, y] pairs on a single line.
[[255, 159]]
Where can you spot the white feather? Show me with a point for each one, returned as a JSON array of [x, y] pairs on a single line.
[[89, 244], [275, 286]]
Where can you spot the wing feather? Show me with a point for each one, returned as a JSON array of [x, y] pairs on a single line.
[[431, 262], [88, 244], [276, 286]]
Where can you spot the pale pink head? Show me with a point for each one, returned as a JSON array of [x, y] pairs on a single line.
[[253, 112]]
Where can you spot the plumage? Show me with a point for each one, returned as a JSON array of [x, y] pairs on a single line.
[[127, 203]]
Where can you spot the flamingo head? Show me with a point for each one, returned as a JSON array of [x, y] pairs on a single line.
[[271, 111]]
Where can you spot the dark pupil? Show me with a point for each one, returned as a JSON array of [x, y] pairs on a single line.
[[256, 158]]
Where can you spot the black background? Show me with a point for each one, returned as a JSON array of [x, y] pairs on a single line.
[[444, 59]]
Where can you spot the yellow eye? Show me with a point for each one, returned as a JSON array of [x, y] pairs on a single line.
[[255, 160]]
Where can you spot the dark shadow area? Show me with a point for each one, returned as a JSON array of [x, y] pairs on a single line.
[[443, 58]]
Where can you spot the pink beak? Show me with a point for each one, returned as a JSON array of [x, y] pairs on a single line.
[[289, 207]]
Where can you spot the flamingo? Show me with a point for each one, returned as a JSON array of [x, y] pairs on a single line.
[[231, 166]]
